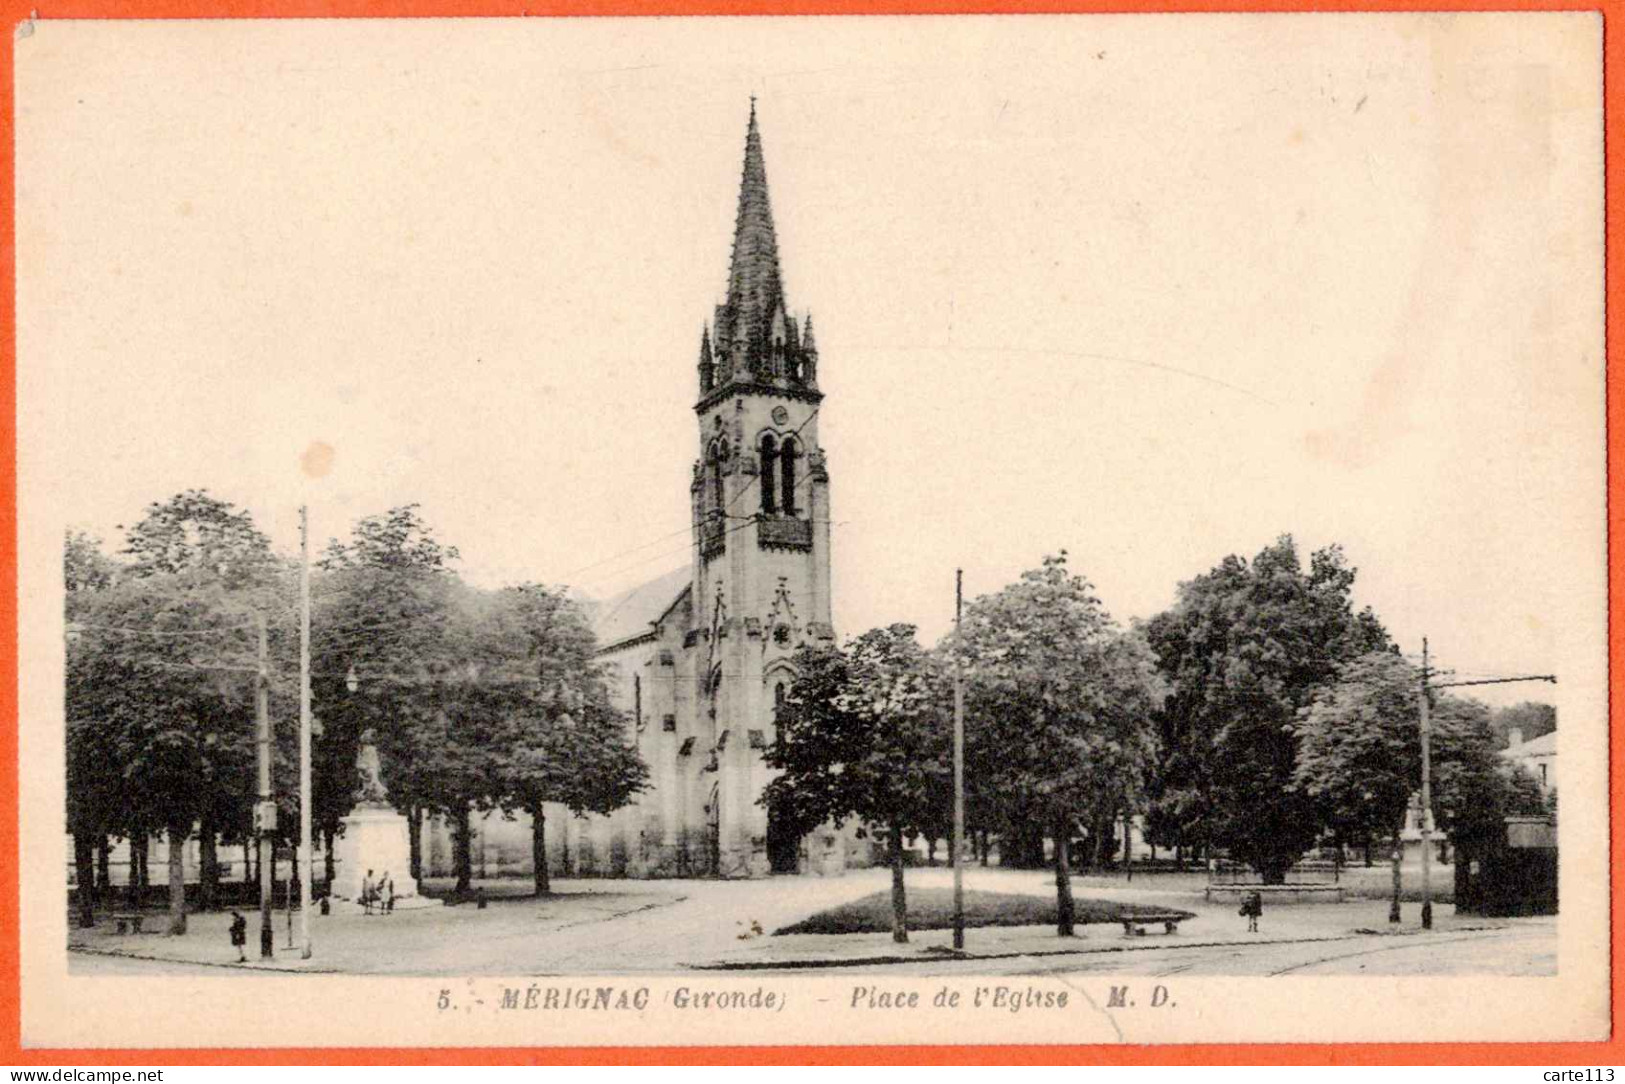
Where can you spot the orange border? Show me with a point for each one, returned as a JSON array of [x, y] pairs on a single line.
[[1541, 1054]]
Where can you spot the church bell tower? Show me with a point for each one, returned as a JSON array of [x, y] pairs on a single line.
[[761, 529]]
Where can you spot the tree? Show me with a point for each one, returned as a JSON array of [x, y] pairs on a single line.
[[1524, 797], [1244, 647], [1478, 790], [566, 742], [1359, 751], [92, 779], [382, 604], [157, 690], [1060, 698], [193, 532], [1360, 754], [477, 700], [159, 711], [85, 566], [861, 734], [213, 546]]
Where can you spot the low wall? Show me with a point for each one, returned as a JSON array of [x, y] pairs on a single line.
[[1287, 893]]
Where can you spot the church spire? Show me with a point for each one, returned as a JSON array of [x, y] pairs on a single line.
[[755, 342], [755, 293]]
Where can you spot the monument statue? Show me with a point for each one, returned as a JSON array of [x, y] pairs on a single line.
[[376, 840], [372, 791]]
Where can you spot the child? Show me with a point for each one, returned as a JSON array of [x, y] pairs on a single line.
[[239, 935], [1252, 909]]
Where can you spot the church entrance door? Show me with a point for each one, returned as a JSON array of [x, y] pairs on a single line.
[[783, 845]]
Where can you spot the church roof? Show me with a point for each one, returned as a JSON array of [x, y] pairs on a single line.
[[633, 613], [755, 293]]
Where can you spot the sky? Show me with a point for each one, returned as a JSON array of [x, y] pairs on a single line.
[[1151, 290]]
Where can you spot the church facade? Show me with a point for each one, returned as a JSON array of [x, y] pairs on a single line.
[[701, 657]]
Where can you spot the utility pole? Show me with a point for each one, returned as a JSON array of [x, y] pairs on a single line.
[[1427, 801], [265, 813], [303, 864], [1427, 769], [959, 766]]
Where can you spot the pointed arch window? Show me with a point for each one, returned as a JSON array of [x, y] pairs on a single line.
[[787, 477], [778, 702], [769, 454], [718, 451]]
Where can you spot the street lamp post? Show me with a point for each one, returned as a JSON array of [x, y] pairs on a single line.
[[304, 864], [959, 768], [1427, 801]]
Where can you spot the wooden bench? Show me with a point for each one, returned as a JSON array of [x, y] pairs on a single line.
[[1134, 925], [128, 922]]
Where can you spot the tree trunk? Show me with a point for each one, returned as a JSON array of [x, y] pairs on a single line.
[[930, 850], [209, 875], [84, 864], [1128, 845], [1065, 912], [250, 874], [462, 848], [538, 848], [1367, 852], [984, 847], [414, 830], [899, 900], [328, 866], [104, 870], [1399, 856], [177, 878], [134, 873]]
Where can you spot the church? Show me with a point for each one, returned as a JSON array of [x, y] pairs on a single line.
[[701, 658]]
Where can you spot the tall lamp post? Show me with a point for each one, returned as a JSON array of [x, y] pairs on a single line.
[[959, 767], [265, 811], [305, 872]]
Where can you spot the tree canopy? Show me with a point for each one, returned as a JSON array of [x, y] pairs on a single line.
[[861, 734], [1244, 647], [476, 699], [1059, 701]]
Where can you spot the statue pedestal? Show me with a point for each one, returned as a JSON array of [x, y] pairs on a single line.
[[375, 838]]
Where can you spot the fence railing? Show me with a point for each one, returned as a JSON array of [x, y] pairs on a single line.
[[1313, 871]]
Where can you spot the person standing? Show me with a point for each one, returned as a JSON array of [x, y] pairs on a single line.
[[367, 891], [389, 894], [239, 935], [1253, 909]]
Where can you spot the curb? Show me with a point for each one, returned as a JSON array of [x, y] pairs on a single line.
[[928, 956], [232, 966]]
